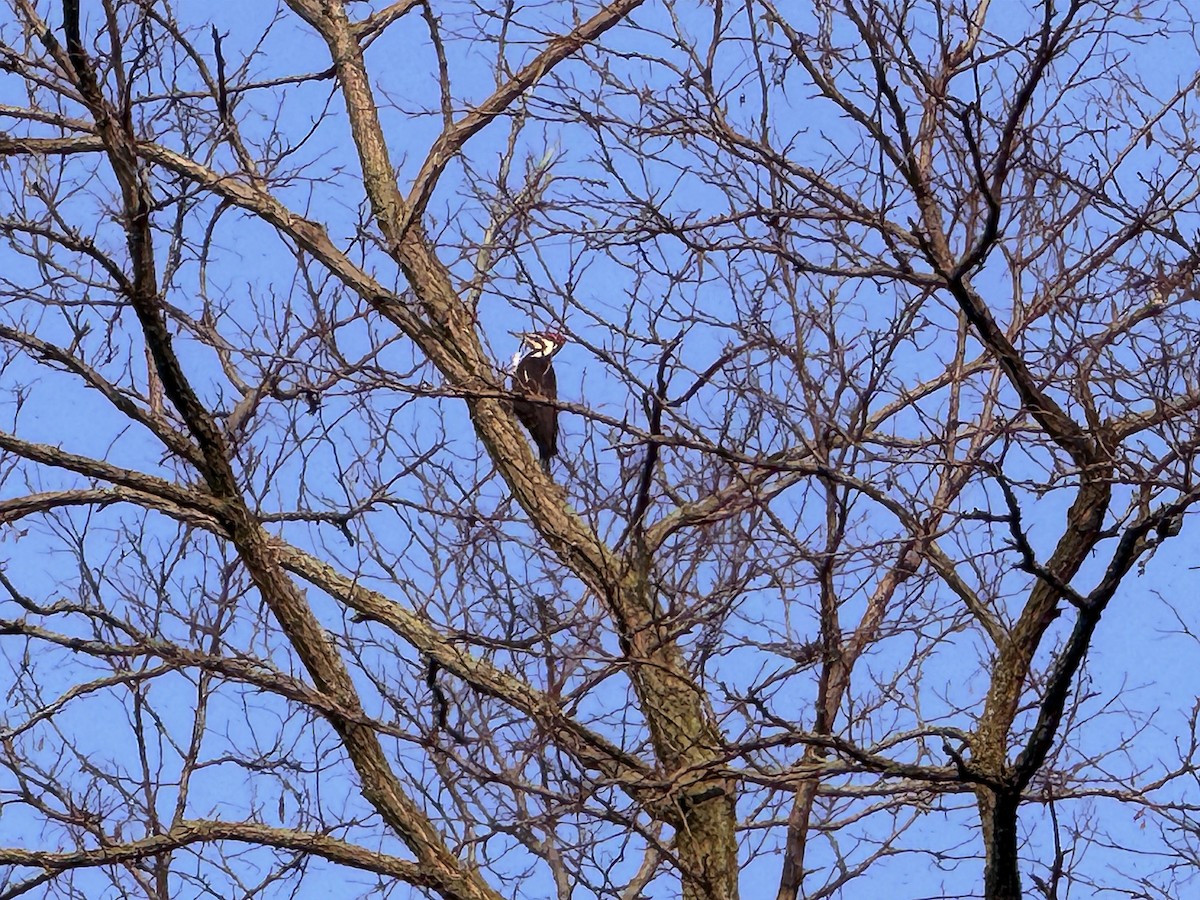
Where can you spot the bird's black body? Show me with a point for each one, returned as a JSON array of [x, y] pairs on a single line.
[[534, 381]]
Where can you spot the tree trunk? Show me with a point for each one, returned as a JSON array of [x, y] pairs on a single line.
[[998, 813], [797, 841]]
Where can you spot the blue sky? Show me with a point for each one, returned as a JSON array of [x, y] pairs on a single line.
[[576, 246]]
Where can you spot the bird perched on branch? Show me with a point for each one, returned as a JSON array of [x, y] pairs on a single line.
[[533, 380]]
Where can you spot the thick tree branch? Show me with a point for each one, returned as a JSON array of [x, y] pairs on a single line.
[[191, 832]]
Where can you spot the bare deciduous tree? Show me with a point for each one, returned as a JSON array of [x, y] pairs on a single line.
[[880, 406]]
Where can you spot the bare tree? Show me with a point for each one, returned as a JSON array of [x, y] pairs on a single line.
[[879, 408]]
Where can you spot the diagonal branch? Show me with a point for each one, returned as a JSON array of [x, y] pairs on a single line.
[[1133, 543], [379, 783], [681, 726], [189, 832], [176, 442], [593, 751], [452, 140], [151, 485]]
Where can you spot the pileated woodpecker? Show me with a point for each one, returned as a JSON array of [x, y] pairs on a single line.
[[534, 378]]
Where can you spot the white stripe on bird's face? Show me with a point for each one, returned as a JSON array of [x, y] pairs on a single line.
[[541, 345]]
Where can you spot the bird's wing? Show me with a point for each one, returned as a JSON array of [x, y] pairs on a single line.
[[520, 376]]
